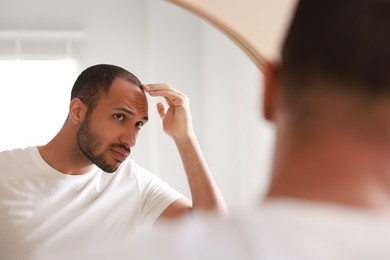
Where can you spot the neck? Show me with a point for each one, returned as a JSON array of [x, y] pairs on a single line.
[[62, 153], [335, 168]]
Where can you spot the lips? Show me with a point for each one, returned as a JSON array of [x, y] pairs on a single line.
[[120, 154]]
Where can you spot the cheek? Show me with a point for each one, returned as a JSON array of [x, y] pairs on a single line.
[[109, 133], [106, 130]]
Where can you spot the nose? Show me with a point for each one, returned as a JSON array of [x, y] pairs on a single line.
[[128, 138]]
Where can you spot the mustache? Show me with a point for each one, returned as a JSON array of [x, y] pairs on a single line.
[[122, 146]]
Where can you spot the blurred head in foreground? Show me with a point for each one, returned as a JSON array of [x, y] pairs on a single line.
[[329, 98]]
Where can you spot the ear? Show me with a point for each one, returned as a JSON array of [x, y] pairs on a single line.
[[77, 111], [270, 90]]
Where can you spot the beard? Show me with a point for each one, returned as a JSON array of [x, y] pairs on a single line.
[[90, 142]]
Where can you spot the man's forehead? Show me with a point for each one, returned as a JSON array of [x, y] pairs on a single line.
[[123, 87], [127, 94]]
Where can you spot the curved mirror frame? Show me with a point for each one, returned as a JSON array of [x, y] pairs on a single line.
[[256, 26]]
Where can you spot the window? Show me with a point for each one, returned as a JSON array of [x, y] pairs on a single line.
[[34, 100]]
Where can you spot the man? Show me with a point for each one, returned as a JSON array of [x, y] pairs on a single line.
[[81, 187], [329, 196]]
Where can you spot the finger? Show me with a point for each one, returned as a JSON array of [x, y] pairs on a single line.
[[173, 98], [164, 90], [160, 86], [162, 110], [166, 93]]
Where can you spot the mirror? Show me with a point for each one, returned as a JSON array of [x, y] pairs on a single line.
[[257, 26], [159, 42]]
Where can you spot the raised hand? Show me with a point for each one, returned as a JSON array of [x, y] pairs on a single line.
[[177, 121]]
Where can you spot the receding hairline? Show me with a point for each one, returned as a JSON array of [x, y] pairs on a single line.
[[95, 82]]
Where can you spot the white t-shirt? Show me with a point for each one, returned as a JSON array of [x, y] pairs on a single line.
[[281, 229], [43, 210]]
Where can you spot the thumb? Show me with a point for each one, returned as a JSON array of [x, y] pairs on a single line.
[[161, 109]]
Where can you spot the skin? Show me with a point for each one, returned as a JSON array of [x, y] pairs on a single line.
[[112, 129], [105, 138], [338, 156], [177, 123]]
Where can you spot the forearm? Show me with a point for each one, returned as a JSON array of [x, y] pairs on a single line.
[[177, 123], [205, 192]]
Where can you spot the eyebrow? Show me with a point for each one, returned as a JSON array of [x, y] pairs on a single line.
[[128, 111]]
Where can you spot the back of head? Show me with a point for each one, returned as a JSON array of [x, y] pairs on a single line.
[[333, 107], [340, 45], [96, 80]]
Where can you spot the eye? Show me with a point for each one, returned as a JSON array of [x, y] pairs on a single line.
[[119, 117], [139, 124]]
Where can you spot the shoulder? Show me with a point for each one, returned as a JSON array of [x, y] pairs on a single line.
[[17, 157], [18, 163], [131, 167], [130, 170], [14, 153], [205, 236], [306, 226], [202, 236]]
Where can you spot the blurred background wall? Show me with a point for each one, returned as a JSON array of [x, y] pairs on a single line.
[[159, 42]]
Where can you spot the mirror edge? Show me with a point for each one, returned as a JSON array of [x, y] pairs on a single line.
[[258, 59]]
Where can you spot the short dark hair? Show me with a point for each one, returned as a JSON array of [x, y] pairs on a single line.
[[342, 42], [96, 80]]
